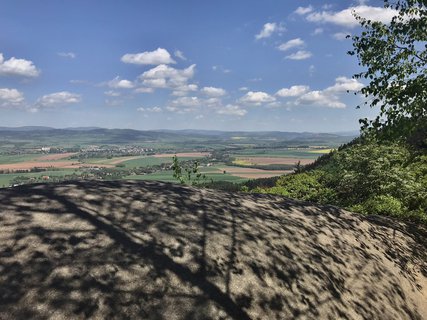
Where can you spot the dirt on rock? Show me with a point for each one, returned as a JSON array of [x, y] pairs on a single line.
[[152, 250]]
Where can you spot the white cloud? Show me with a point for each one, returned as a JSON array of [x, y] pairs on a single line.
[[57, 99], [156, 57], [256, 98], [330, 97], [320, 98], [243, 89], [340, 35], [179, 54], [213, 92], [303, 10], [153, 109], [221, 68], [294, 43], [144, 90], [112, 93], [70, 55], [317, 31], [311, 70], [212, 102], [299, 55], [345, 17], [185, 89], [155, 83], [344, 84], [232, 110], [10, 97], [268, 29], [17, 67], [116, 83], [186, 102], [293, 91], [163, 76]]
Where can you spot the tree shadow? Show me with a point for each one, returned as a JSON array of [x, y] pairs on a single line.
[[163, 251]]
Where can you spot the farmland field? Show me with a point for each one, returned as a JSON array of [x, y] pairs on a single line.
[[16, 158], [304, 153], [5, 179], [152, 160], [167, 176], [104, 154]]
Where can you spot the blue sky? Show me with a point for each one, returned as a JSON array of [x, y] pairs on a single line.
[[226, 65]]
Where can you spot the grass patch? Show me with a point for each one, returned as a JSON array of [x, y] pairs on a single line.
[[151, 161], [5, 179], [17, 158]]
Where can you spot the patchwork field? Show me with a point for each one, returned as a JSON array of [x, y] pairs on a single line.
[[6, 179], [247, 161], [267, 157], [182, 154], [57, 163], [167, 176]]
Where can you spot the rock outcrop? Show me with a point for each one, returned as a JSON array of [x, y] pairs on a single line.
[[152, 250]]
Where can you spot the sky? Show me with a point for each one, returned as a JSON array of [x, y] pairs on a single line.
[[165, 64]]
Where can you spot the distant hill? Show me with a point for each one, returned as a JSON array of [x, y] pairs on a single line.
[[26, 128], [94, 135], [151, 250]]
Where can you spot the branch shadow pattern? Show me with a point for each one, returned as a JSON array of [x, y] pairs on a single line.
[[152, 250]]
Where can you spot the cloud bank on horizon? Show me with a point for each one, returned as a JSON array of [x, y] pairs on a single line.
[[270, 67]]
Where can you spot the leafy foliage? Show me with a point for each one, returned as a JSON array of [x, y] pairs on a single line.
[[187, 175], [367, 177], [395, 55]]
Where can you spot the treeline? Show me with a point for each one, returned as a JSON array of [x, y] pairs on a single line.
[[366, 176]]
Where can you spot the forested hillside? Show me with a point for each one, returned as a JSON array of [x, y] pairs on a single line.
[[364, 176]]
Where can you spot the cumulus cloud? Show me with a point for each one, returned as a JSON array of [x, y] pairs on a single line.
[[344, 84], [57, 99], [221, 69], [320, 98], [345, 17], [179, 54], [233, 110], [163, 76], [112, 93], [17, 67], [303, 10], [184, 89], [118, 83], [299, 55], [268, 29], [294, 43], [190, 102], [144, 90], [330, 97], [10, 97], [153, 109], [213, 92], [256, 98], [317, 31], [156, 57], [70, 55], [293, 91], [340, 35]]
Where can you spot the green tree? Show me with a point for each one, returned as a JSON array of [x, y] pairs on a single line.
[[187, 175], [395, 55]]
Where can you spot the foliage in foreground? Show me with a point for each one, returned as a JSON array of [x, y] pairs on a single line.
[[187, 174], [366, 177]]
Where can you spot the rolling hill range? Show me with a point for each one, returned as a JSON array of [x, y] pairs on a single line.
[[152, 250], [30, 136]]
